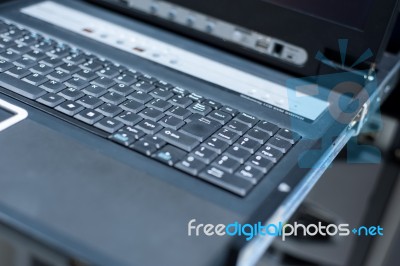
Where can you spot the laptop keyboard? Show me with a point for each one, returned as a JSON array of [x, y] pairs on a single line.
[[199, 136]]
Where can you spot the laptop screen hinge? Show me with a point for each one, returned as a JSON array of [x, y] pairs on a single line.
[[360, 119], [366, 72]]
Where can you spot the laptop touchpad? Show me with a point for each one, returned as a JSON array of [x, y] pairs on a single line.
[[10, 114], [4, 115]]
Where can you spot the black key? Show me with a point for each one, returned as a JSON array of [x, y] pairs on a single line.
[[4, 65], [59, 76], [161, 93], [35, 55], [43, 46], [121, 89], [216, 144], [123, 137], [20, 49], [270, 153], [250, 173], [268, 127], [151, 114], [59, 52], [68, 68], [90, 102], [181, 101], [191, 165], [140, 96], [89, 116], [171, 122], [75, 59], [180, 91], [18, 86], [109, 125], [200, 108], [76, 83], [169, 155], [51, 99], [247, 119], [25, 62], [125, 79], [227, 135], [53, 86], [52, 61], [226, 163], [85, 75], [261, 163], [163, 84], [238, 153], [144, 146], [147, 78], [94, 90], [14, 33], [132, 106], [237, 126], [6, 43], [213, 104], [71, 94], [195, 97], [178, 139], [143, 86], [109, 109], [132, 72], [103, 82], [149, 127], [280, 144], [41, 69], [249, 144], [70, 108], [229, 110], [226, 181], [201, 128], [108, 72], [220, 116], [136, 133], [28, 40], [258, 135], [35, 79], [129, 118], [288, 135], [179, 112], [113, 98], [9, 56], [159, 104], [92, 65], [156, 140], [18, 72], [204, 154]]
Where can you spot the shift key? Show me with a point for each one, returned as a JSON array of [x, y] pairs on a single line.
[[178, 139], [20, 87]]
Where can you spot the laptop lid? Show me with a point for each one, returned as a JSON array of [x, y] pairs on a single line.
[[286, 34]]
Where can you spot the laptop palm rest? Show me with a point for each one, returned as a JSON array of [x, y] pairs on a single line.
[[66, 187]]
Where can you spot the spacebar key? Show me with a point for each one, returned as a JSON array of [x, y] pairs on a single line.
[[178, 139], [20, 87]]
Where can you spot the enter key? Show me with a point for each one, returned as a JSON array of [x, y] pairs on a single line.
[[201, 128]]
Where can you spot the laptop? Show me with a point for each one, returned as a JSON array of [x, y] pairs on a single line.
[[125, 124]]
